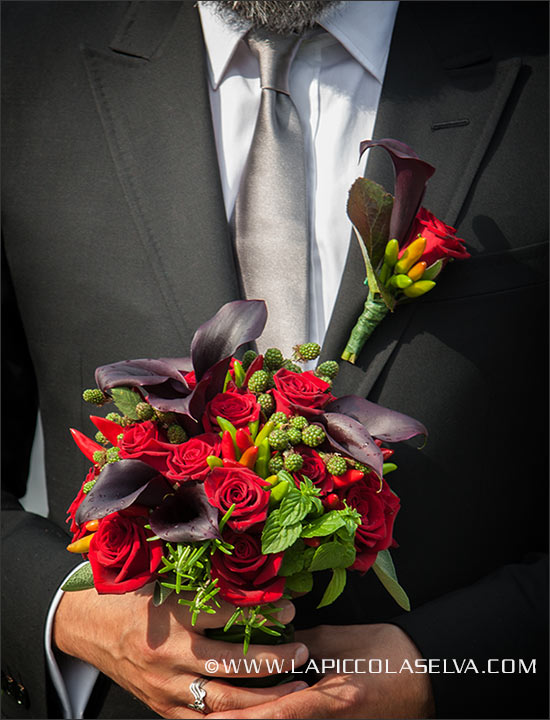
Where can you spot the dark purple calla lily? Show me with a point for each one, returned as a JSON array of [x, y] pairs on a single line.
[[186, 516], [411, 176], [120, 485], [380, 422], [163, 380], [348, 436]]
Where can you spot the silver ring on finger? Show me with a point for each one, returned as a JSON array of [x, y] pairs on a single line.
[[198, 692]]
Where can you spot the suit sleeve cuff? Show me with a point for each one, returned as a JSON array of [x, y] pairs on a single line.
[[72, 678]]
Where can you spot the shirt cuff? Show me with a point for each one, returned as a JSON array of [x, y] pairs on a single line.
[[73, 679]]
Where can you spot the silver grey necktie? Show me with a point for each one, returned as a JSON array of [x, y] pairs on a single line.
[[270, 221]]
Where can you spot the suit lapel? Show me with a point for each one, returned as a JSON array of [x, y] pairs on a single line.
[[151, 94], [444, 98]]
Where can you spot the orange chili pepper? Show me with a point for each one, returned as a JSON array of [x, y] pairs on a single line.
[[82, 545], [92, 525], [249, 456]]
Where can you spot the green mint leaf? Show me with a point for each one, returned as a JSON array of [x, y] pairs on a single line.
[[309, 552], [325, 525], [126, 401], [301, 582], [334, 588], [82, 579], [294, 507], [293, 559], [385, 572], [332, 555], [275, 537], [160, 593]]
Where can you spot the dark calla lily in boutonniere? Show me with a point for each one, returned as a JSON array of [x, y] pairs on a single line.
[[404, 246]]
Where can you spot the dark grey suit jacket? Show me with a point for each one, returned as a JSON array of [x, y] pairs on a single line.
[[117, 247]]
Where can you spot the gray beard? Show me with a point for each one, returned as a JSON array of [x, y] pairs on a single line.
[[278, 16]]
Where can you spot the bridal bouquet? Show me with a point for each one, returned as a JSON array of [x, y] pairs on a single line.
[[234, 479]]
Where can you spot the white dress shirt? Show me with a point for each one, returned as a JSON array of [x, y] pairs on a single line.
[[335, 83]]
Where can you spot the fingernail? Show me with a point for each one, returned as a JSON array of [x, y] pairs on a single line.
[[300, 686], [302, 655]]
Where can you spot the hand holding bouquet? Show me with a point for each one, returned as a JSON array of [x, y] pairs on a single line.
[[234, 478]]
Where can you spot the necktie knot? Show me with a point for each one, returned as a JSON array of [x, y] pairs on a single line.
[[275, 54]]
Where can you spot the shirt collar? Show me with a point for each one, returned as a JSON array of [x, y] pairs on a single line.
[[363, 28]]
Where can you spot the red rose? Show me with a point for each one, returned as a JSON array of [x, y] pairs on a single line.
[[378, 511], [122, 559], [225, 486], [239, 408], [191, 379], [314, 468], [300, 390], [188, 459], [441, 240], [246, 577], [143, 441], [77, 531]]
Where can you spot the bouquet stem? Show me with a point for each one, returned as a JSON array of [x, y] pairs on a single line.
[[375, 310]]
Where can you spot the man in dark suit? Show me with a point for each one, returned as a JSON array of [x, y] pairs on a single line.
[[114, 226]]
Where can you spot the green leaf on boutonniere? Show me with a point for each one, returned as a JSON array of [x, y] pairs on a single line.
[[332, 555], [369, 209], [126, 401], [385, 571], [82, 579], [334, 588], [301, 582], [275, 537]]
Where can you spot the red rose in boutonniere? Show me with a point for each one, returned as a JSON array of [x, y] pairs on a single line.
[[241, 487], [144, 441], [188, 459], [404, 246]]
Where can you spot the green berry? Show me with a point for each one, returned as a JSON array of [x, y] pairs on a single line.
[[360, 466], [289, 365], [313, 435], [88, 486], [278, 439], [115, 417], [337, 465], [293, 462], [112, 455], [259, 381], [99, 457], [278, 418], [267, 404], [144, 411], [326, 379], [294, 436], [273, 358], [176, 434], [275, 464], [298, 421], [100, 438], [94, 396], [308, 351], [329, 369], [248, 359]]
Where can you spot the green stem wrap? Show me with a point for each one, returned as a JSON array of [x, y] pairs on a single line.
[[374, 312]]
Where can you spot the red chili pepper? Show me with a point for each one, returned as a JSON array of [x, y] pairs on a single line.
[[312, 542], [110, 429], [249, 456], [332, 502], [348, 478], [243, 439], [231, 463], [387, 453], [85, 445], [228, 449]]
